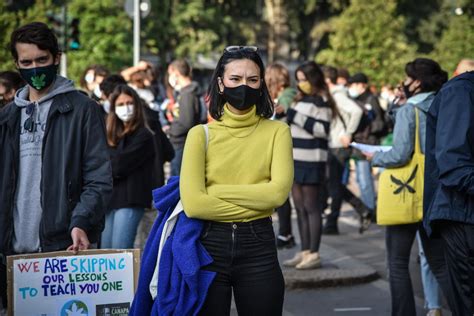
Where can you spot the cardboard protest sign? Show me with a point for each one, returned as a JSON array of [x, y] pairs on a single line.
[[93, 282]]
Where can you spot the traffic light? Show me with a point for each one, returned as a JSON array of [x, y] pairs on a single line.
[[74, 43], [67, 33], [56, 22]]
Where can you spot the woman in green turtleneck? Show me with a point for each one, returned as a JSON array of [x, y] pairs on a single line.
[[234, 183]]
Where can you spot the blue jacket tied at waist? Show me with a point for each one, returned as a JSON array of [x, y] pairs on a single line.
[[182, 284]]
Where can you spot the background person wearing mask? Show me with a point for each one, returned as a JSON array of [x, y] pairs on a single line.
[[107, 87], [342, 129], [424, 77], [91, 79], [370, 130], [69, 203], [185, 109], [310, 119], [131, 153], [10, 82], [277, 78]]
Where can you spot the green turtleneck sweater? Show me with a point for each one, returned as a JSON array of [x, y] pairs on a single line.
[[246, 171]]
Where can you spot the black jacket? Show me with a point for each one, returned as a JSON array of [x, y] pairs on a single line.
[[132, 169], [186, 115], [372, 125], [163, 149], [76, 180]]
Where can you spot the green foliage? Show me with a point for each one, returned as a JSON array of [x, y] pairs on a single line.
[[456, 43], [106, 33], [369, 37], [7, 25], [190, 27], [196, 28], [106, 36]]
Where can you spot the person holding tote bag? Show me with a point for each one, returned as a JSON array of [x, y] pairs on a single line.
[[401, 184]]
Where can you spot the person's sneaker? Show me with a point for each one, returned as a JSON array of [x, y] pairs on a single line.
[[330, 231], [434, 312], [310, 261], [293, 262], [285, 242]]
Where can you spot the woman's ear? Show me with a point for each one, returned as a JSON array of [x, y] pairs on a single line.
[[220, 85], [417, 84]]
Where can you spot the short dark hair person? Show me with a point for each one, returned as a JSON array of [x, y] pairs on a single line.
[[36, 33]]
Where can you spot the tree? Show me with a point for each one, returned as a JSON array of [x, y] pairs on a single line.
[[278, 39], [369, 37], [456, 42], [10, 20], [106, 36]]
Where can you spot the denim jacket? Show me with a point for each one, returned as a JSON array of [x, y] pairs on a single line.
[[404, 132]]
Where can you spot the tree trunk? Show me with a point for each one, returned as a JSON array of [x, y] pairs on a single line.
[[278, 44]]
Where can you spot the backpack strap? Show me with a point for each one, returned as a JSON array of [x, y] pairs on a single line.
[[206, 131]]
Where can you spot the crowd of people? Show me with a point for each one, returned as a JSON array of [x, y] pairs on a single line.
[[79, 165]]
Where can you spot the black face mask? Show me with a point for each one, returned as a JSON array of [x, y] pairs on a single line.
[[406, 90], [40, 77], [242, 97]]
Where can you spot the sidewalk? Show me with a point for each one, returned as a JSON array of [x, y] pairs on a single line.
[[337, 268]]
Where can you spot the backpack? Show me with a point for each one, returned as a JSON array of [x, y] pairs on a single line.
[[201, 110]]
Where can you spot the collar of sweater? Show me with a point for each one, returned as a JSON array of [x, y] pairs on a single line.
[[233, 120]]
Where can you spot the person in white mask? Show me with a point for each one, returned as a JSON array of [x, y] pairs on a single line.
[[185, 112], [131, 152]]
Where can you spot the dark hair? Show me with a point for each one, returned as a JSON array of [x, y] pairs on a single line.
[[343, 73], [276, 77], [217, 101], [99, 70], [115, 127], [182, 66], [36, 33], [109, 83], [11, 80], [428, 72], [330, 73], [315, 77]]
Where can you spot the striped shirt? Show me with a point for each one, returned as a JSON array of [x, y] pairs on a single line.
[[310, 120]]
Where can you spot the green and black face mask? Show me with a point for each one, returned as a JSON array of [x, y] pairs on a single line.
[[40, 77]]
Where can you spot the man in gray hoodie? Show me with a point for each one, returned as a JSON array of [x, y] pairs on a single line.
[[56, 176]]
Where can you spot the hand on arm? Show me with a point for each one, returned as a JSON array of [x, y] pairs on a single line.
[[264, 196], [315, 126], [194, 196]]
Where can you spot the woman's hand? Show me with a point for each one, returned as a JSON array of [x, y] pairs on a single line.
[[367, 155]]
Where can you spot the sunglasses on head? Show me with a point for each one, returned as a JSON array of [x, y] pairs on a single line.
[[236, 48], [29, 124]]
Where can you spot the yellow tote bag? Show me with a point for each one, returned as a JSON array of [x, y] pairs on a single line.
[[400, 198]]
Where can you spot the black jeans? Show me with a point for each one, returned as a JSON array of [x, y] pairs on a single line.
[[284, 219], [246, 262], [338, 191], [3, 283], [459, 250], [399, 241]]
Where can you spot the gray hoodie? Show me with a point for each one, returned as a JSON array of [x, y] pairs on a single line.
[[27, 205]]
